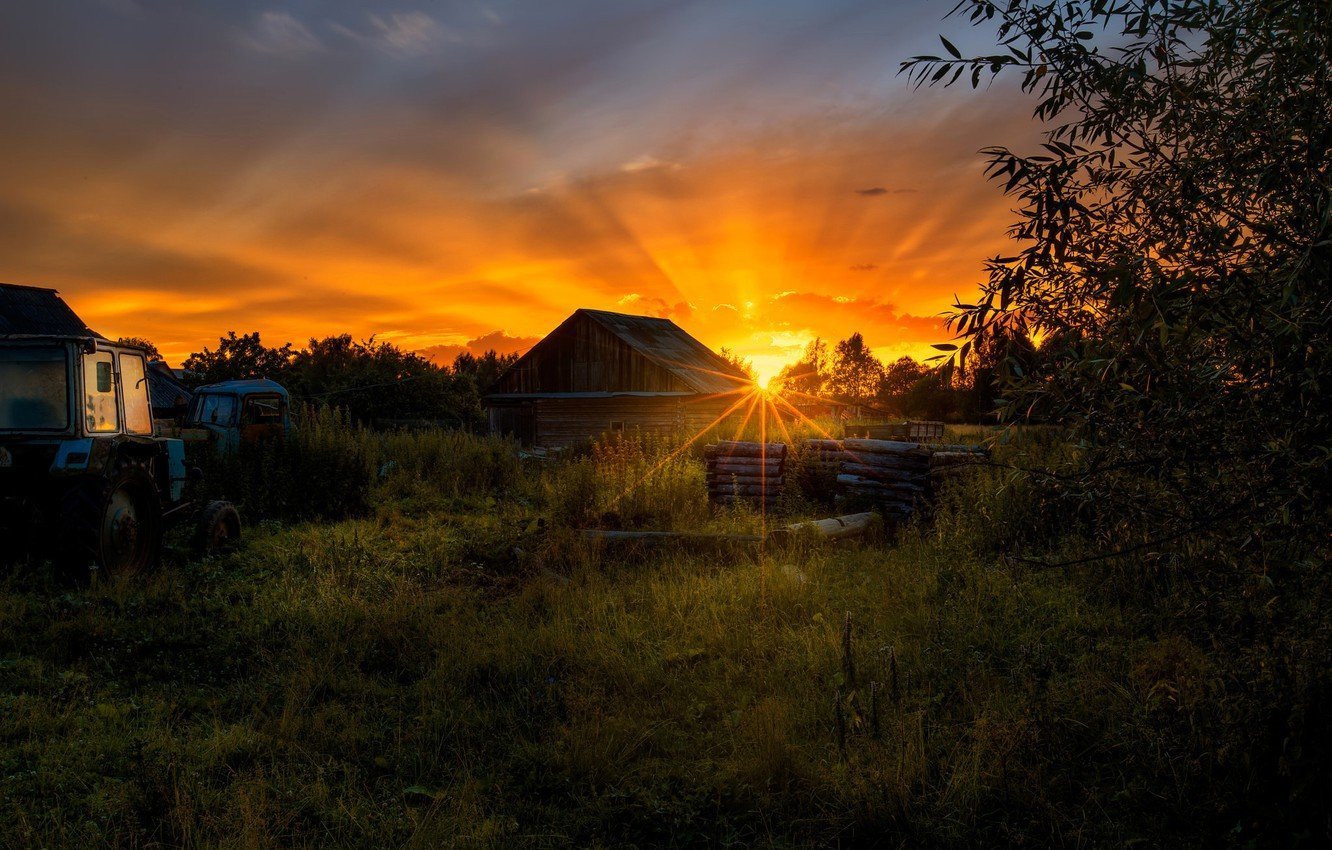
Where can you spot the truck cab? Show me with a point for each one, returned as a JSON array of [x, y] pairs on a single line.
[[236, 413]]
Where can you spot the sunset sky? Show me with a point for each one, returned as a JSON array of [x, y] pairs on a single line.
[[462, 175]]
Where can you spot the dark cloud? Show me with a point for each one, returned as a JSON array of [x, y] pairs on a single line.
[[875, 191]]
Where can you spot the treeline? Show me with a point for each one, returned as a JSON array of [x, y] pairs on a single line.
[[373, 381], [849, 372]]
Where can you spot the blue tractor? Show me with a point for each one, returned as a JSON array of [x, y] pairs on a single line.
[[84, 477]]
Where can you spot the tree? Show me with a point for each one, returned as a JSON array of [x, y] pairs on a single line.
[[898, 377], [484, 370], [1176, 222], [808, 374], [737, 361], [237, 358], [1174, 234], [856, 373], [376, 381], [139, 342]]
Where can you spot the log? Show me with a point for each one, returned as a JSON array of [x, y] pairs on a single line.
[[971, 450], [833, 528], [860, 481], [888, 462], [774, 482], [824, 445], [892, 447], [887, 469], [878, 473], [738, 449], [662, 536], [741, 489], [724, 466]]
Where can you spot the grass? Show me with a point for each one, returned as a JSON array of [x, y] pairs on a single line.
[[453, 666]]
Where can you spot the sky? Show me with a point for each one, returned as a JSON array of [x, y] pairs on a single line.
[[453, 176]]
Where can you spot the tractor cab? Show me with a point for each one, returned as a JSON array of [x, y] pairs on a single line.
[[83, 475]]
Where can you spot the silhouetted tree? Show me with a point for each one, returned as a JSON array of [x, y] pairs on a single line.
[[808, 374], [483, 370], [856, 373], [377, 381], [237, 358], [140, 342]]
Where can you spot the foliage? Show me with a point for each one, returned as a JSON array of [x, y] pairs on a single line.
[[1174, 235], [744, 366], [856, 373], [369, 381], [321, 471], [808, 374], [236, 358], [430, 675], [376, 381], [484, 370], [139, 342]]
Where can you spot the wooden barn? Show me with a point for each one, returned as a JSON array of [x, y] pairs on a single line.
[[602, 372]]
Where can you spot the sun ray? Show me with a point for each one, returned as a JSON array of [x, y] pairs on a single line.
[[681, 448]]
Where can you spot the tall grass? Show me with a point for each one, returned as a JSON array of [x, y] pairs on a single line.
[[426, 674]]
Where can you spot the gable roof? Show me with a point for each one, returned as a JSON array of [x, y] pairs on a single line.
[[666, 344], [33, 311]]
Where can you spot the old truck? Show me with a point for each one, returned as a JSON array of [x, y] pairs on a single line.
[[83, 476], [235, 413]]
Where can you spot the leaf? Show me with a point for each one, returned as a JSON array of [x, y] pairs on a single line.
[[944, 346], [948, 45]]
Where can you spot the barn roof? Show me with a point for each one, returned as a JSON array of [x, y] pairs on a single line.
[[666, 344], [33, 311]]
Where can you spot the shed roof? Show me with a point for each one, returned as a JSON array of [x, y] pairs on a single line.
[[668, 345], [165, 390], [33, 311]]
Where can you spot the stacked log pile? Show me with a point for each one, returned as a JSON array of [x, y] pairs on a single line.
[[747, 472], [896, 475]]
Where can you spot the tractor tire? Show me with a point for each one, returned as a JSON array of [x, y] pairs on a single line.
[[111, 525], [217, 530]]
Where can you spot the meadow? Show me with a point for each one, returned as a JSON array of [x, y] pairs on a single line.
[[416, 648]]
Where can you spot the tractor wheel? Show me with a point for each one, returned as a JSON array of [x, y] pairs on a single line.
[[112, 524], [218, 529]]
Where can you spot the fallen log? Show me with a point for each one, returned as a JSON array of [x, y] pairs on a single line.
[[662, 536], [832, 528], [876, 473]]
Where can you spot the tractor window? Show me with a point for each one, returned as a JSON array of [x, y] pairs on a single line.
[[34, 389], [134, 385], [262, 410], [212, 409], [99, 393]]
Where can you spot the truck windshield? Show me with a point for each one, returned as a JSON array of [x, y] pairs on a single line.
[[34, 389], [210, 409]]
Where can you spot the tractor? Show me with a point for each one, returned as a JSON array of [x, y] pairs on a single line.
[[83, 476]]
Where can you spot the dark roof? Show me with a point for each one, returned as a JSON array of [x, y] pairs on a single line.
[[246, 386], [32, 311], [666, 344], [165, 391]]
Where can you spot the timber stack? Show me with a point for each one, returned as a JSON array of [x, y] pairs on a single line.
[[897, 475], [745, 472]]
